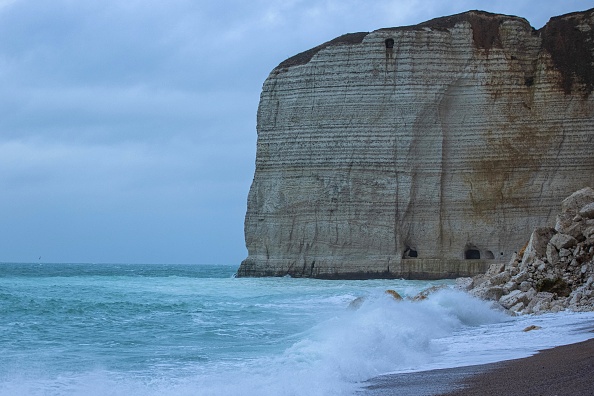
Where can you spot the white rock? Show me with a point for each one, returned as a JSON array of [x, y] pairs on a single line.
[[513, 298], [537, 246], [521, 276], [464, 283], [569, 208], [525, 286], [564, 252], [552, 254], [578, 200], [510, 286], [500, 278], [495, 269], [575, 298], [561, 241], [494, 293], [587, 211], [577, 251]]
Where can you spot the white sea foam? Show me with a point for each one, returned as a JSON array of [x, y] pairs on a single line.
[[449, 329], [286, 337]]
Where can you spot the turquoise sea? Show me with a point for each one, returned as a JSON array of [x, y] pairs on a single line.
[[107, 329]]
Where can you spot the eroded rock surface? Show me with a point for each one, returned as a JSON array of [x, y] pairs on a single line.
[[555, 271], [425, 151]]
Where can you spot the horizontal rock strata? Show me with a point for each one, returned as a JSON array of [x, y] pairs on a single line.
[[425, 151], [555, 271]]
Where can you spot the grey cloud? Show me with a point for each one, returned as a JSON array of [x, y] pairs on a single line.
[[127, 128]]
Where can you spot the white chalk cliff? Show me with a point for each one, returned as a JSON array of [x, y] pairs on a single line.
[[425, 151]]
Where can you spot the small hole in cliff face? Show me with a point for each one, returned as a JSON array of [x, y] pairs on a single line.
[[529, 81], [389, 43], [472, 254], [410, 253]]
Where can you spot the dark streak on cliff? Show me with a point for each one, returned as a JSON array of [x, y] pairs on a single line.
[[571, 49], [304, 57], [485, 27]]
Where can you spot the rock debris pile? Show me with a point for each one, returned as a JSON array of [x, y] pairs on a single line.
[[555, 270]]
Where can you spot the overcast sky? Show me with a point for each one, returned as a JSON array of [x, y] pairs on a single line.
[[128, 127]]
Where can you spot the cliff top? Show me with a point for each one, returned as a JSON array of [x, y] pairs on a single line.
[[305, 56], [570, 45]]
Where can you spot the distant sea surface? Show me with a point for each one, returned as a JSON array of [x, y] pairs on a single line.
[[106, 329]]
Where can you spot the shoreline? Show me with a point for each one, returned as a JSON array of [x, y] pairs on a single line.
[[563, 370]]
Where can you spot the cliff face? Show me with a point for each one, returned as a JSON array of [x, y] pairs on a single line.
[[425, 151]]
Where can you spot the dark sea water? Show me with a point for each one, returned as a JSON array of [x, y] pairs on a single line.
[[106, 329]]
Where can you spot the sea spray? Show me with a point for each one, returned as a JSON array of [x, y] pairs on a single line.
[[386, 335]]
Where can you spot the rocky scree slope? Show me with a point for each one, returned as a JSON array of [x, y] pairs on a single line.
[[554, 271]]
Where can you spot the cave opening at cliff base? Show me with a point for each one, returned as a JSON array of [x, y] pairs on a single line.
[[472, 254]]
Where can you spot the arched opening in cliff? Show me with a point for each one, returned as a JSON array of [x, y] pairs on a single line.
[[472, 254], [410, 253], [489, 255], [389, 43]]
